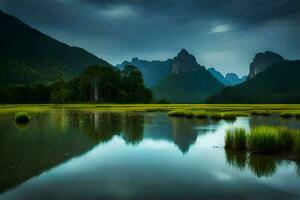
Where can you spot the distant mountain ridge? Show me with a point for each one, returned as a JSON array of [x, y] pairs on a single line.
[[29, 56], [233, 79], [189, 82], [153, 71], [229, 79], [278, 83]]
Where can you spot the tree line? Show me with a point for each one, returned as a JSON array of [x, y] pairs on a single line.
[[98, 83]]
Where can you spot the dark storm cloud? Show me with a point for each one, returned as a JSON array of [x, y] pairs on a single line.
[[224, 34], [249, 11]]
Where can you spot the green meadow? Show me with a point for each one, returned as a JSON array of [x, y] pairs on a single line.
[[176, 110]]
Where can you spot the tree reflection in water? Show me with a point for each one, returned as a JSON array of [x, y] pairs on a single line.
[[132, 128], [101, 127]]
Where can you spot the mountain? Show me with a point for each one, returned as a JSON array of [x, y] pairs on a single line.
[[263, 60], [153, 71], [279, 83], [29, 56], [189, 82], [233, 79], [185, 63], [218, 75], [229, 79]]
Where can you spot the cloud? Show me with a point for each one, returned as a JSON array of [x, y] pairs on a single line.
[[118, 11], [121, 29], [221, 28]]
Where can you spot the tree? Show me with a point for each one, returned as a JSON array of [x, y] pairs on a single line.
[[101, 83], [134, 85], [60, 96], [60, 92]]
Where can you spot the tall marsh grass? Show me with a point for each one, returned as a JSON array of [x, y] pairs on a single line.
[[235, 139], [264, 139]]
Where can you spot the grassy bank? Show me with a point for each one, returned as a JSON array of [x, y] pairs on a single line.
[[264, 139], [216, 111]]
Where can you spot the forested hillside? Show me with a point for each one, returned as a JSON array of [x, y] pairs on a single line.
[[29, 56]]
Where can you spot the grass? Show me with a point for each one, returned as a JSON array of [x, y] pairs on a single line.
[[229, 116], [176, 113], [189, 115], [297, 144], [286, 139], [216, 116], [264, 139], [235, 139], [286, 115], [236, 109], [201, 115], [22, 118], [261, 113]]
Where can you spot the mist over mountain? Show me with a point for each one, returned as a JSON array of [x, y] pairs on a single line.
[[189, 82], [29, 56]]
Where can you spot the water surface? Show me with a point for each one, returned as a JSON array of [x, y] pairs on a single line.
[[87, 155]]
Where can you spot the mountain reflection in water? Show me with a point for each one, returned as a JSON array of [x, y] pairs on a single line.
[[141, 145]]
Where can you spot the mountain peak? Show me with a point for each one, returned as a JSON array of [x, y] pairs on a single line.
[[183, 52], [231, 75], [134, 60], [184, 62], [262, 60]]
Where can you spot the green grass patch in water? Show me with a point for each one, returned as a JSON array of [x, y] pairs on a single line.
[[235, 139], [261, 113], [22, 118], [264, 139]]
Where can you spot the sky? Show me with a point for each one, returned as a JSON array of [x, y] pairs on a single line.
[[221, 34]]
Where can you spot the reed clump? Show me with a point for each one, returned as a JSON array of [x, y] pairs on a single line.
[[22, 118], [264, 139], [176, 113], [216, 116], [261, 113], [235, 139], [201, 115], [188, 114]]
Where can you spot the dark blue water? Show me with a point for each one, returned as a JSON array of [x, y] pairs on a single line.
[[75, 155]]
